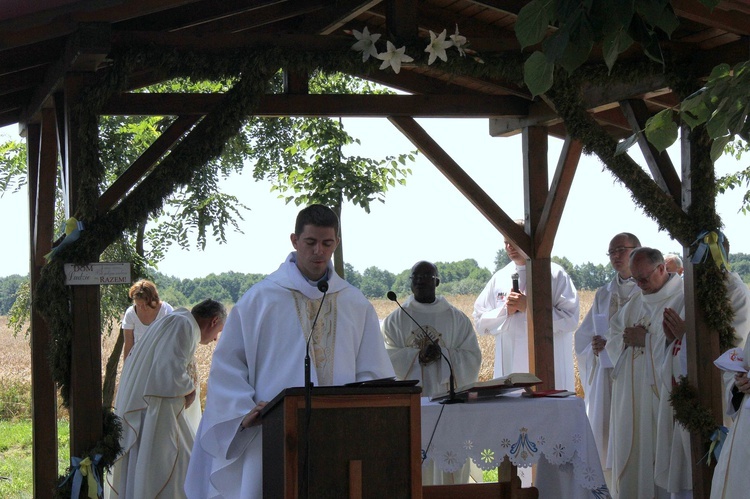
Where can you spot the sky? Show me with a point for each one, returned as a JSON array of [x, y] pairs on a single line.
[[427, 219]]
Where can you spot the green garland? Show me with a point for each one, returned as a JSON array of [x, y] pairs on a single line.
[[251, 70]]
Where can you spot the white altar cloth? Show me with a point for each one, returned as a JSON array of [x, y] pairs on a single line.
[[524, 430]]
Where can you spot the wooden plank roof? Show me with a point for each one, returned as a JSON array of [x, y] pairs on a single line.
[[40, 41]]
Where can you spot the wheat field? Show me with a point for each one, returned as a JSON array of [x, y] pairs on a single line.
[[15, 356]]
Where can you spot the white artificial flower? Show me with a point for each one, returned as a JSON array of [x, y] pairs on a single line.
[[459, 41], [365, 43], [437, 46], [393, 57]]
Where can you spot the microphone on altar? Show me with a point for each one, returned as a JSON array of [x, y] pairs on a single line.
[[452, 383]]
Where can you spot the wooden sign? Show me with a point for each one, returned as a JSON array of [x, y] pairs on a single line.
[[97, 274]]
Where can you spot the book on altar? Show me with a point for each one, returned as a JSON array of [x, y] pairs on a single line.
[[492, 387]]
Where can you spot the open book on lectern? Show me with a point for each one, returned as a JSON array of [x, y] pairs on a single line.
[[493, 387]]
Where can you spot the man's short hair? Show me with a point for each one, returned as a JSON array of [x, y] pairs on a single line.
[[632, 239], [653, 255], [318, 215], [208, 309]]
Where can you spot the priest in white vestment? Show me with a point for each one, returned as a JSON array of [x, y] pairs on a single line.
[[415, 356], [501, 312], [594, 364], [636, 346], [262, 352], [731, 477], [156, 388]]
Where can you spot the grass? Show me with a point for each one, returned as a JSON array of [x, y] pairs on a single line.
[[15, 448]]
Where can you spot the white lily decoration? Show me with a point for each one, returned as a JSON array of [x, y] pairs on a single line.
[[459, 41], [365, 43], [393, 57], [437, 46]]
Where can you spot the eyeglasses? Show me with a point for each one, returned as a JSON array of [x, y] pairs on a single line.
[[417, 277], [618, 250], [644, 279]]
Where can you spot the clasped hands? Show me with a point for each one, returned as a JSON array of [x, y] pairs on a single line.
[[742, 382], [673, 325], [634, 336], [597, 344], [429, 352]]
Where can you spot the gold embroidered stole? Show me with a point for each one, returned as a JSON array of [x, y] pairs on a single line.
[[323, 340]]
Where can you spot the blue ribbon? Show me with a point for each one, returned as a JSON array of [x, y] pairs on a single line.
[[717, 442], [81, 468], [711, 242]]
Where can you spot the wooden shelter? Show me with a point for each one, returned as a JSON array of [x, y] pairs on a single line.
[[54, 52]]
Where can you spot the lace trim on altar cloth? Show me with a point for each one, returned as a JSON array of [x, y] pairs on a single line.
[[523, 449]]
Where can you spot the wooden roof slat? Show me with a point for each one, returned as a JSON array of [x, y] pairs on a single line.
[[163, 104], [734, 22]]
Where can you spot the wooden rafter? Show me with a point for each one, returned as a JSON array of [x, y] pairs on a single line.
[[549, 221], [146, 161], [659, 163]]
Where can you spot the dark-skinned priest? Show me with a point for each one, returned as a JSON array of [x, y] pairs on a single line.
[[416, 356]]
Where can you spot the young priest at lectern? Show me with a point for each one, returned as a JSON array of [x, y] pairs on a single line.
[[262, 351]]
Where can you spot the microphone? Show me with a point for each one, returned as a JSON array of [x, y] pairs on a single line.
[[323, 288], [452, 393], [515, 282], [304, 491]]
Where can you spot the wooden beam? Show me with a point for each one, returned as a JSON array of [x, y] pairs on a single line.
[[540, 114], [539, 271], [455, 106], [334, 16], [463, 182], [733, 21], [145, 162], [42, 166], [659, 163], [260, 15], [86, 372], [84, 51], [296, 82], [549, 222], [401, 21]]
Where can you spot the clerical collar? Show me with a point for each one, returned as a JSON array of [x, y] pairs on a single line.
[[620, 280], [315, 283]]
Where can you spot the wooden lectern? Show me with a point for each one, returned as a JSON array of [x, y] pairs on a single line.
[[364, 442]]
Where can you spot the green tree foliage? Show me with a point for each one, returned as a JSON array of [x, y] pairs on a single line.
[[351, 275], [8, 289], [739, 179], [501, 259], [376, 282], [616, 25]]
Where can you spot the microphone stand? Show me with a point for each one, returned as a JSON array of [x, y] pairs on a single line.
[[452, 380], [304, 485]]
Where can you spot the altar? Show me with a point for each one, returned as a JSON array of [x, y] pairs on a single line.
[[552, 433]]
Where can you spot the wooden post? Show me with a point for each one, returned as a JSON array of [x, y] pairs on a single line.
[[702, 343], [86, 362], [41, 143], [538, 273]]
